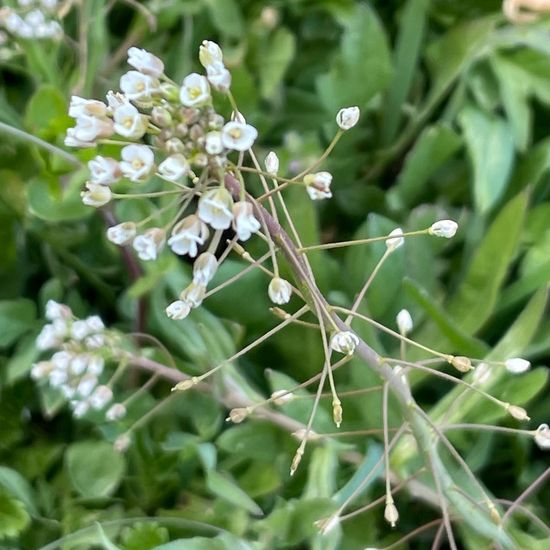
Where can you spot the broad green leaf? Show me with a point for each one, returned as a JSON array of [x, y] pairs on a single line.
[[362, 67], [278, 54], [16, 318], [13, 516], [46, 112], [491, 150], [20, 363], [477, 294], [254, 440], [224, 487], [434, 146], [95, 468]]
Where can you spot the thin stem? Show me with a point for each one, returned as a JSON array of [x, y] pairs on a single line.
[[145, 195], [531, 489], [320, 160], [24, 136], [389, 498]]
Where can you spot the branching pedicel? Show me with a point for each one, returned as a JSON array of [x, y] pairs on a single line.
[[176, 149]]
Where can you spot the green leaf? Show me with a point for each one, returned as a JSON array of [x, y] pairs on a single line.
[[14, 483], [95, 468], [13, 516], [254, 440], [224, 487], [491, 150], [362, 68], [46, 112], [105, 541], [435, 145], [144, 536], [476, 297], [20, 363], [278, 54], [16, 318], [226, 17]]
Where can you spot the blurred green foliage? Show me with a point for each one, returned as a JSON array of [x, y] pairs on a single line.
[[455, 116]]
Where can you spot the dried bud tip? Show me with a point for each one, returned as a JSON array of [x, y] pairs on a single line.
[[238, 415], [297, 459], [281, 397], [519, 413], [278, 312], [391, 515], [337, 412], [493, 513], [461, 363], [184, 385]]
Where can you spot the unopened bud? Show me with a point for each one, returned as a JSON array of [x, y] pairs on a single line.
[[404, 322], [517, 365], [278, 312], [272, 163], [493, 513], [297, 458], [174, 145], [185, 384], [337, 412], [161, 117], [238, 415], [443, 228], [542, 437], [281, 397], [519, 413], [461, 363], [391, 515], [170, 92]]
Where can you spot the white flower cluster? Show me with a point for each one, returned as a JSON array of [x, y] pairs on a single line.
[[179, 125], [32, 19], [75, 368]]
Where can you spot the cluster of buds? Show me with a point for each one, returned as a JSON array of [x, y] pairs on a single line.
[[32, 19], [80, 350]]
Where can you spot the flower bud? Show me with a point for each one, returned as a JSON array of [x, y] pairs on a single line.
[[161, 117], [272, 163], [149, 245], [404, 322], [122, 442], [318, 185], [209, 53], [204, 268], [281, 397], [122, 234], [347, 118], [519, 413], [96, 195], [395, 239], [238, 415], [344, 342], [279, 291], [516, 365], [297, 458], [193, 294], [115, 412], [178, 310], [542, 437], [391, 515], [185, 385], [443, 228], [337, 412], [461, 363]]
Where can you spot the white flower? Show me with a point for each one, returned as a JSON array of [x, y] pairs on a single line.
[[138, 86], [101, 396], [443, 228], [210, 52], [122, 442], [137, 162], [95, 341], [178, 310], [80, 408], [204, 268], [272, 163], [71, 140], [404, 322], [195, 90], [61, 359], [213, 143], [55, 310], [174, 167], [129, 122], [80, 107], [145, 62], [279, 291], [47, 338], [89, 128], [238, 136], [41, 370], [94, 323], [60, 327], [215, 208], [96, 194], [318, 185], [244, 222], [219, 76], [193, 295], [58, 377], [116, 100], [122, 234], [347, 118], [79, 330], [149, 245], [104, 170], [86, 385], [95, 365], [516, 365], [542, 437], [395, 239], [187, 235], [79, 364], [344, 342], [115, 412]]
